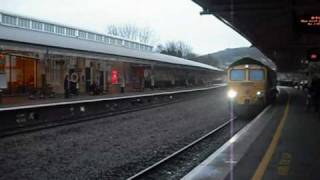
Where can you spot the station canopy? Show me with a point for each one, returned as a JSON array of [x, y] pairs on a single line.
[[283, 30]]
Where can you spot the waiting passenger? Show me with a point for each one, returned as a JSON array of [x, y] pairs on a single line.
[[66, 86], [314, 93]]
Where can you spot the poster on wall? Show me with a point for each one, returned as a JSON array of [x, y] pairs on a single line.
[[3, 81]]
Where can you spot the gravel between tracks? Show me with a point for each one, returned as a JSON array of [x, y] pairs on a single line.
[[114, 147]]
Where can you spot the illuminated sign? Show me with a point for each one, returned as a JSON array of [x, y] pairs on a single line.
[[313, 56], [114, 77], [308, 23]]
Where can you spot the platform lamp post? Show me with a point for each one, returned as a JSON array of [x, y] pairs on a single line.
[[231, 95]]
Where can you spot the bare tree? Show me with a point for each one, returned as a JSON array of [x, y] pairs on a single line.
[[176, 48], [132, 32]]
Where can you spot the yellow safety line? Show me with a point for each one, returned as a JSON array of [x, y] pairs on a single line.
[[272, 147]]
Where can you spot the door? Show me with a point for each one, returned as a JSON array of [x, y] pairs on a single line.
[[22, 74]]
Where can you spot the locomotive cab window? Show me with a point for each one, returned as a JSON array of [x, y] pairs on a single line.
[[237, 75], [256, 74]]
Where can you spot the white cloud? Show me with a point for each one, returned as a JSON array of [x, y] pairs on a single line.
[[170, 19]]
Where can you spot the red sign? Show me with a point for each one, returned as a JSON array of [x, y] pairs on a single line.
[[114, 77], [313, 56]]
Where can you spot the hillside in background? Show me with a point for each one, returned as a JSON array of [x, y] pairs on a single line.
[[224, 58]]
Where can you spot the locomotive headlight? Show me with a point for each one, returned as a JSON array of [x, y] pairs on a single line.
[[259, 93], [232, 93]]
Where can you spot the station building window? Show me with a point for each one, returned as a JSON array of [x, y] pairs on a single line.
[[10, 20], [126, 43], [24, 23], [106, 39], [91, 36], [83, 34], [60, 30], [112, 41], [118, 42], [56, 71], [70, 32], [49, 27], [99, 38], [37, 25]]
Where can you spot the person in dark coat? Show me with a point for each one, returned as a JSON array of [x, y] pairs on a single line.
[[315, 93], [66, 86]]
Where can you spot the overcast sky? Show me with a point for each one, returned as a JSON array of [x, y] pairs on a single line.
[[170, 19]]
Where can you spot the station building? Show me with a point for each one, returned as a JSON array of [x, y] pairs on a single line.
[[36, 55]]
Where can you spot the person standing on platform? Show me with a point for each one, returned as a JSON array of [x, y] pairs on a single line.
[[315, 93], [122, 86], [66, 87]]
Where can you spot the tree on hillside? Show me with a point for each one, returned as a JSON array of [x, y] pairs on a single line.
[[176, 48], [132, 32]]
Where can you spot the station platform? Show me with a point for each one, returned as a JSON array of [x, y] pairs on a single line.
[[282, 142], [17, 101]]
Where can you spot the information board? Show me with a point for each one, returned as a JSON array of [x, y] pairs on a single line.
[[308, 23]]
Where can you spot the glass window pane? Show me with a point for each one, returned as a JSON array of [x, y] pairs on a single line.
[[25, 23], [36, 25], [60, 30], [106, 39], [99, 37], [6, 19], [112, 40], [91, 36], [83, 34], [70, 32], [49, 27], [256, 74], [237, 75], [126, 43]]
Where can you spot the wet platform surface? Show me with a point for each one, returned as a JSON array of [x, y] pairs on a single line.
[[286, 148]]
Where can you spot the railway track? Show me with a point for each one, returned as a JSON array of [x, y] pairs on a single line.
[[49, 125], [139, 104], [152, 171]]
